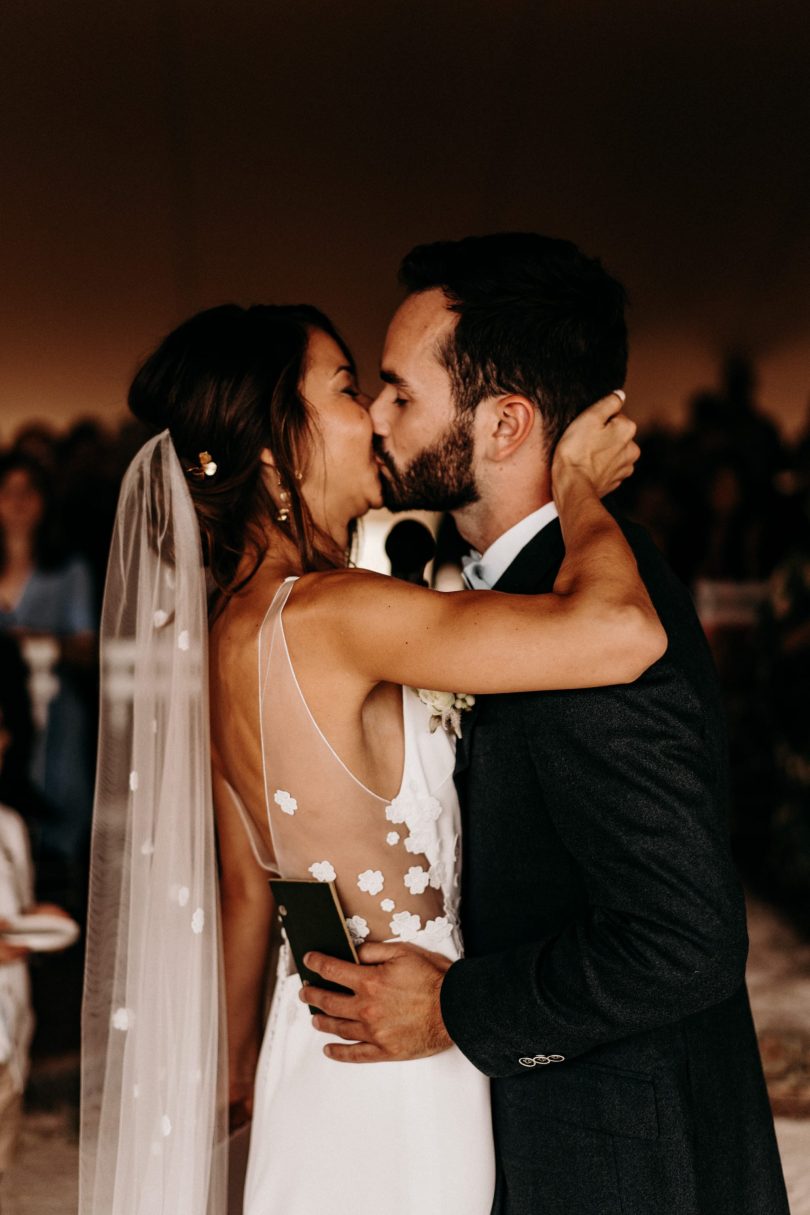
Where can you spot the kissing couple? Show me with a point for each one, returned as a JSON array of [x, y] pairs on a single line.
[[549, 1014]]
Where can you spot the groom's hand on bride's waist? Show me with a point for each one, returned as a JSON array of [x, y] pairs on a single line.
[[394, 1011]]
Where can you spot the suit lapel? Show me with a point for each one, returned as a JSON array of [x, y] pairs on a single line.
[[534, 569], [463, 744], [531, 573]]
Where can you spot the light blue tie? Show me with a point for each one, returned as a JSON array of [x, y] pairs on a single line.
[[472, 572]]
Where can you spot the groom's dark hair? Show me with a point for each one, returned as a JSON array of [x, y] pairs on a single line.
[[536, 317]]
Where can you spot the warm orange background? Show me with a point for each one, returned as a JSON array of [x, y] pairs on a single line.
[[163, 155]]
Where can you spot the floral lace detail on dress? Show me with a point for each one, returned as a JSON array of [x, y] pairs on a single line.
[[285, 801], [371, 881], [406, 925], [417, 879], [390, 859], [420, 813], [323, 871], [358, 929], [437, 931]]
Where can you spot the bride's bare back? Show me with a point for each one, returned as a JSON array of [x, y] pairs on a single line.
[[327, 786]]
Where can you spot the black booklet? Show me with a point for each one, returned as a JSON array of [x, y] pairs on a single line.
[[312, 918]]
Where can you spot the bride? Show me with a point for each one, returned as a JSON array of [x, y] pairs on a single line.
[[259, 717]]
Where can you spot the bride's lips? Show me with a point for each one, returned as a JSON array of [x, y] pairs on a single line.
[[382, 467], [376, 466]]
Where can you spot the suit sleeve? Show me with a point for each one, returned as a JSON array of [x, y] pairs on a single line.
[[632, 790]]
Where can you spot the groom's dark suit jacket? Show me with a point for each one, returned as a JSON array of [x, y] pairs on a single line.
[[604, 930]]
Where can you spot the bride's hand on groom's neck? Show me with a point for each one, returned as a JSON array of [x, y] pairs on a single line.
[[598, 448]]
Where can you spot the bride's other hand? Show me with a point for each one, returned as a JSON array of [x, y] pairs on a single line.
[[48, 909], [11, 953], [599, 446], [240, 1107]]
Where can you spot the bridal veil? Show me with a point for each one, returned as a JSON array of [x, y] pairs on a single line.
[[154, 1095]]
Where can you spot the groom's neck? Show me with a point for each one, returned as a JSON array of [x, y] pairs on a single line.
[[498, 509]]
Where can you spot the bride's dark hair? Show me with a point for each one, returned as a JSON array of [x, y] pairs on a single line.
[[228, 382]]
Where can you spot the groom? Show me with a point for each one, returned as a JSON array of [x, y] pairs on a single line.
[[603, 984]]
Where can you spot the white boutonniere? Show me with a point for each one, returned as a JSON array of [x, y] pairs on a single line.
[[447, 708]]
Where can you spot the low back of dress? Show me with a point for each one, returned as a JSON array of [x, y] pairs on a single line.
[[394, 861]]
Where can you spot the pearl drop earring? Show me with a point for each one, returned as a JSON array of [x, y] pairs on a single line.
[[283, 513]]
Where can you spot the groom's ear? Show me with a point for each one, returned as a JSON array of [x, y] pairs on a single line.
[[511, 422]]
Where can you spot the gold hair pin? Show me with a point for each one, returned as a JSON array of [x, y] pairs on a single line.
[[206, 468]]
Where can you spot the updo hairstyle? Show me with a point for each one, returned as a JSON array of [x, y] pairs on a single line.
[[228, 382]]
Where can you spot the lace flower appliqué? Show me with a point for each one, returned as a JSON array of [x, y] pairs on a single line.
[[405, 925], [323, 871], [358, 929], [419, 842], [438, 930], [371, 881], [417, 879], [419, 812], [285, 801]]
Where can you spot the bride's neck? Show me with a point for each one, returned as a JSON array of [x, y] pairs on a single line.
[[282, 558]]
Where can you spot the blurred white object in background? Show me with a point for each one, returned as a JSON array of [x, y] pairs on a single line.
[[371, 555], [374, 530], [41, 655]]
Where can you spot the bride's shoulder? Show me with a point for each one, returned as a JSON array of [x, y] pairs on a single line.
[[322, 602], [333, 590]]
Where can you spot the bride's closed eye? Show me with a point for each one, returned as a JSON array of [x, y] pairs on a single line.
[[357, 394]]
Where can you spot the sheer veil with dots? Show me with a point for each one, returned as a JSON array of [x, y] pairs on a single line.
[[154, 1094]]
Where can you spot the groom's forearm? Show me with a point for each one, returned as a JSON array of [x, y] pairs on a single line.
[[554, 1001]]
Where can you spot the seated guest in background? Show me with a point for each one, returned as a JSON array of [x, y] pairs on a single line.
[[16, 787], [783, 692], [86, 485], [16, 897], [38, 441], [16, 1015], [47, 598]]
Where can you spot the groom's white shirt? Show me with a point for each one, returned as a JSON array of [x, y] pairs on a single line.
[[481, 571]]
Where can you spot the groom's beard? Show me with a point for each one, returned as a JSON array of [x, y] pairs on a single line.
[[440, 478]]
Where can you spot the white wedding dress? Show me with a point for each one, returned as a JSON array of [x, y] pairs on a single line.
[[409, 1138]]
